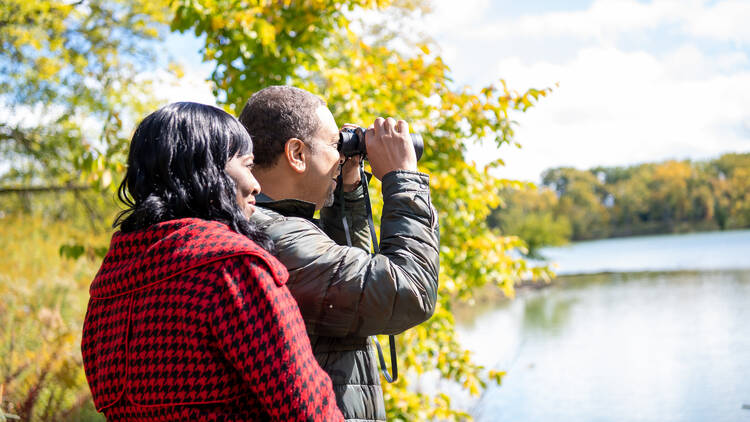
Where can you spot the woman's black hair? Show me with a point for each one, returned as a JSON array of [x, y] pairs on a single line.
[[176, 170]]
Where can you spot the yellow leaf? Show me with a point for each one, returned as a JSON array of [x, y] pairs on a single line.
[[266, 32], [217, 22]]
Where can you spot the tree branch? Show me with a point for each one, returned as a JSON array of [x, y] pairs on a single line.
[[15, 134], [43, 189]]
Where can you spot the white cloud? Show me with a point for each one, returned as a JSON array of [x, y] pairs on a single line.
[[725, 21], [448, 14], [616, 108], [604, 20], [688, 98], [192, 86]]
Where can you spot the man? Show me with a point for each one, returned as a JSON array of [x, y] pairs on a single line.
[[344, 293]]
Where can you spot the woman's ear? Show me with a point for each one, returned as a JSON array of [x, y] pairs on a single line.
[[295, 154]]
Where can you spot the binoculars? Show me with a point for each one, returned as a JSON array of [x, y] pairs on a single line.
[[352, 142]]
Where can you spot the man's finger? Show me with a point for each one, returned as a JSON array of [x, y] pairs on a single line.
[[390, 124], [378, 125], [370, 133], [402, 127]]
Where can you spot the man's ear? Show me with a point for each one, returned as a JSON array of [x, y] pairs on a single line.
[[295, 154]]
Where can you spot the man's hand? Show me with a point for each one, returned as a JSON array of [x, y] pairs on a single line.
[[350, 169], [350, 173], [389, 147]]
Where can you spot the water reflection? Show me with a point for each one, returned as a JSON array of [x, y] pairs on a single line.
[[546, 314], [620, 347]]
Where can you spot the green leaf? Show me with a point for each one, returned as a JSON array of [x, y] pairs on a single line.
[[72, 251]]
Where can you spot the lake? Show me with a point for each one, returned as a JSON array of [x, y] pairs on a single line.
[[638, 346]]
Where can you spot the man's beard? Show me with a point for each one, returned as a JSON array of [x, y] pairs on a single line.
[[331, 196]]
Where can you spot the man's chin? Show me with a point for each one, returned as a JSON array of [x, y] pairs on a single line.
[[331, 196], [329, 201]]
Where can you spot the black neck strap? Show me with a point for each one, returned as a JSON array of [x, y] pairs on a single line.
[[375, 250]]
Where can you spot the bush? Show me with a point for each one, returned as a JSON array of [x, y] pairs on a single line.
[[41, 310]]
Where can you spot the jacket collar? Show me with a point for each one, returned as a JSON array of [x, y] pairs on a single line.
[[287, 207], [136, 260]]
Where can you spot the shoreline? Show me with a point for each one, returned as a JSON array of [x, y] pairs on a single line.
[[491, 296]]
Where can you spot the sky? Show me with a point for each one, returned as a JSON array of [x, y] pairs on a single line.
[[633, 81]]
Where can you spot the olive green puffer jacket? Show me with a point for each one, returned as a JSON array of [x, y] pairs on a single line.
[[344, 293]]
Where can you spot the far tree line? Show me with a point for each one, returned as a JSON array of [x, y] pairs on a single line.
[[666, 197]]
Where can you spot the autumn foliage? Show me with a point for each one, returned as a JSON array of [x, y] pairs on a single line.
[[667, 197], [335, 48]]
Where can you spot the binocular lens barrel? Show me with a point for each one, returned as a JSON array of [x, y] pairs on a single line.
[[350, 143]]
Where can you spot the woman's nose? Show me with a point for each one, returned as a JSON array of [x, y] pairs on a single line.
[[255, 186]]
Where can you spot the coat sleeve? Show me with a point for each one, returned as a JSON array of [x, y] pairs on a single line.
[[345, 291], [260, 332]]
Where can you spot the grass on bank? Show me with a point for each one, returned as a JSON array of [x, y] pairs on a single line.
[[43, 299]]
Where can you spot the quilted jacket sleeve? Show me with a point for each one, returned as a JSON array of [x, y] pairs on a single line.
[[259, 330], [344, 291]]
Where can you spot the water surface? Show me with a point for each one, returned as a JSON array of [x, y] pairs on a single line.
[[646, 346], [693, 251]]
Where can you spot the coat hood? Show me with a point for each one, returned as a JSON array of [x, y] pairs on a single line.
[[142, 258]]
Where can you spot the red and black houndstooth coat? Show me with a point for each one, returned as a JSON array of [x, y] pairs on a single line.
[[189, 320]]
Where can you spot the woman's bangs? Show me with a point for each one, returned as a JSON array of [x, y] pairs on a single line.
[[239, 141]]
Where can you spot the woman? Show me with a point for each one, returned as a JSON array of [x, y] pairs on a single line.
[[189, 317]]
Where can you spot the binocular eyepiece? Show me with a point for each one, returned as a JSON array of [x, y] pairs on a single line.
[[352, 142]]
